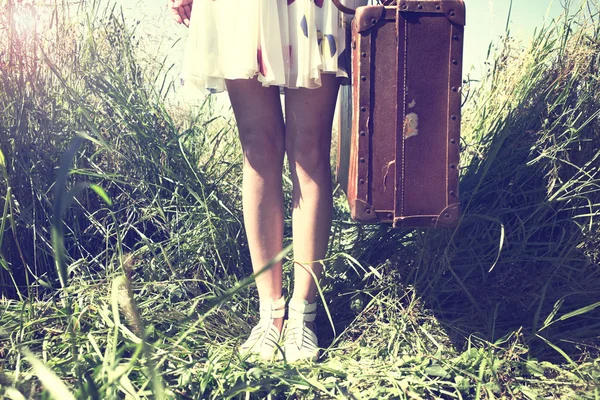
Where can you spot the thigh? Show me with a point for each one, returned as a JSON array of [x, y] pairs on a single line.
[[257, 110], [309, 117]]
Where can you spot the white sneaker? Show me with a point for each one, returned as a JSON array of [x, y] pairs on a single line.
[[264, 337], [299, 342]]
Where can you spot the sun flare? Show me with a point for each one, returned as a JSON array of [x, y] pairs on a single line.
[[24, 19]]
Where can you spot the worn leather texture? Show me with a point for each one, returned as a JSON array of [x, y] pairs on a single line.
[[399, 128]]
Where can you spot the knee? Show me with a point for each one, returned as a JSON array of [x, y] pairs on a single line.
[[310, 151], [263, 148]]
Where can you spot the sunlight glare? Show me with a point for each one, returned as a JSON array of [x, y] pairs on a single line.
[[25, 20]]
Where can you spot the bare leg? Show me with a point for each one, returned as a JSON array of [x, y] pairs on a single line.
[[261, 128], [309, 118]]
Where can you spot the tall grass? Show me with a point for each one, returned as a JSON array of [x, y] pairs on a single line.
[[125, 263]]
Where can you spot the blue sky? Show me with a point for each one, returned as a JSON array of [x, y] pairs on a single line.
[[486, 21]]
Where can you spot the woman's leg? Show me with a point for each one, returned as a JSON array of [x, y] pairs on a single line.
[[309, 118], [260, 123]]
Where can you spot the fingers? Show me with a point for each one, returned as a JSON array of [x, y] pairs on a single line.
[[187, 13], [179, 3], [181, 10], [176, 15]]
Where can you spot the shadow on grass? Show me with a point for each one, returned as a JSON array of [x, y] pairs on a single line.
[[525, 255]]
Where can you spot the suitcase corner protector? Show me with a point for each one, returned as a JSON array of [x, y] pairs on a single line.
[[449, 217], [362, 211]]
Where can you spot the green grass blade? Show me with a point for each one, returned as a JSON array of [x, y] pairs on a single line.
[[57, 388]]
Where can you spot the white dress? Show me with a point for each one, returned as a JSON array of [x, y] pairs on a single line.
[[285, 43]]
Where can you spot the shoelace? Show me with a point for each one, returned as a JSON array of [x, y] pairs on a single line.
[[255, 334], [299, 335], [299, 339], [265, 336], [259, 334]]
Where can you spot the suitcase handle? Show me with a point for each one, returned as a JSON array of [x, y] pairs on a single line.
[[343, 8], [348, 10]]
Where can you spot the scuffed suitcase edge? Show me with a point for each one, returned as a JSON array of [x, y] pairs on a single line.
[[454, 10], [449, 218]]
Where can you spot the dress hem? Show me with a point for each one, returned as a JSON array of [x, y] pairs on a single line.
[[200, 82]]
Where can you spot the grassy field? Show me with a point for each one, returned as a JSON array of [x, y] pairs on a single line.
[[125, 267]]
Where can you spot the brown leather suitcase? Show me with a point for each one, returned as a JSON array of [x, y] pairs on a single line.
[[399, 127]]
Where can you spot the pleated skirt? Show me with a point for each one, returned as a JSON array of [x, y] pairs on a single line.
[[287, 43]]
